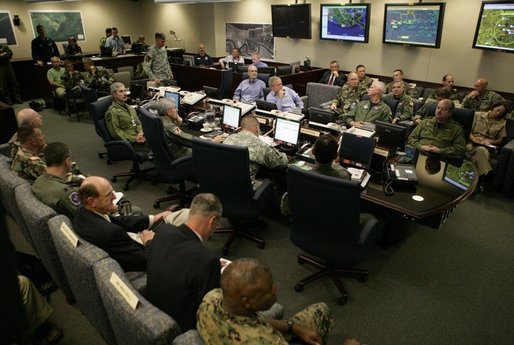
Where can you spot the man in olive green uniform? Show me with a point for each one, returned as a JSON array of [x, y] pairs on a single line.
[[261, 154], [351, 93], [372, 109], [155, 64], [405, 107], [230, 315], [440, 134], [179, 142], [481, 99], [448, 84], [398, 76], [98, 77], [27, 162], [364, 80], [9, 88], [122, 121], [51, 188]]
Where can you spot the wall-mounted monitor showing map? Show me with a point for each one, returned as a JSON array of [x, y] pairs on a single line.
[[414, 24], [348, 22], [495, 27]]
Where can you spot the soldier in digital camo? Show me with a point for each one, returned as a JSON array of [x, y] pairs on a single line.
[[155, 64]]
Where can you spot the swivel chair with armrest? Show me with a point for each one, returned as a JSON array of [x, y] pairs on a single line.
[[334, 232], [118, 150], [169, 169], [224, 171]]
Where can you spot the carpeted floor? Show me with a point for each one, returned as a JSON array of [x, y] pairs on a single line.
[[453, 285]]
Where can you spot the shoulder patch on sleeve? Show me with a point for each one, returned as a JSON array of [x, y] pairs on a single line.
[[74, 198]]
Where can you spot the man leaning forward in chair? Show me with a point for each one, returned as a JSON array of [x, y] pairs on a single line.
[[230, 315], [122, 121]]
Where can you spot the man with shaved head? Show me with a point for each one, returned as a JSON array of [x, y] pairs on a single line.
[[26, 118], [440, 134], [481, 99], [94, 222], [230, 315]]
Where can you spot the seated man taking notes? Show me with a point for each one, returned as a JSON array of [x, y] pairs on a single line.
[[250, 89], [285, 98]]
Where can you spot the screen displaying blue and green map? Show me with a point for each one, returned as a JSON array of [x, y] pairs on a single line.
[[496, 27], [416, 25], [345, 22]]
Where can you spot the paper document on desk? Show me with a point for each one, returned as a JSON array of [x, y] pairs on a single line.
[[192, 98], [290, 116], [359, 175], [245, 107], [361, 132]]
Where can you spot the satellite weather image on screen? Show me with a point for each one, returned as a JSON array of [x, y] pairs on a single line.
[[344, 22], [412, 24], [496, 27], [460, 177]]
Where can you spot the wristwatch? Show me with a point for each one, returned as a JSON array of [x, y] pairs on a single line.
[[289, 326]]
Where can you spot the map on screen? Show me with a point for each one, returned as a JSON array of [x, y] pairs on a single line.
[[413, 24], [345, 22], [461, 177], [495, 28]]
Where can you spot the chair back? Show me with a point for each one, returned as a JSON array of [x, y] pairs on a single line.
[[129, 69], [334, 224], [427, 92], [224, 171], [320, 93], [123, 77], [36, 216], [144, 325], [262, 76], [391, 102], [211, 92], [78, 265], [89, 95], [465, 118], [97, 110], [225, 88]]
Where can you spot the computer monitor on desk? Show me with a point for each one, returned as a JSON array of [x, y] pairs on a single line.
[[231, 117], [126, 40], [356, 151], [263, 105], [266, 70], [175, 96], [287, 132], [238, 67], [391, 135], [322, 116]]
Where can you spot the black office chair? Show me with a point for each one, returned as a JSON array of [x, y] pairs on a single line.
[[224, 171], [118, 150], [262, 76], [211, 92], [465, 118], [392, 103], [168, 168], [333, 231]]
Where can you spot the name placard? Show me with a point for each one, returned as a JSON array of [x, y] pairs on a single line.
[[124, 290], [69, 234]]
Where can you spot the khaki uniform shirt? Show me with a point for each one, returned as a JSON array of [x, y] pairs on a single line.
[[260, 153], [122, 122], [55, 192], [156, 64], [448, 137], [27, 165], [367, 112], [488, 128], [482, 102]]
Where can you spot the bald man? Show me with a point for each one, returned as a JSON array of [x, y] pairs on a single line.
[[25, 118], [94, 222], [351, 93], [440, 134], [230, 315], [481, 99]]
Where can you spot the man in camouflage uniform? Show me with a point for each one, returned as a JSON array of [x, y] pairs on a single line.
[[155, 64], [431, 103], [25, 117], [398, 76], [27, 162], [98, 78], [372, 109], [9, 88], [230, 315], [261, 154], [481, 99], [52, 188], [71, 80], [351, 93], [405, 107], [122, 121], [448, 83], [364, 80], [440, 134]]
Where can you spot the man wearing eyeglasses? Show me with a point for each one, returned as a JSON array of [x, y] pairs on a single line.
[[155, 64], [440, 134]]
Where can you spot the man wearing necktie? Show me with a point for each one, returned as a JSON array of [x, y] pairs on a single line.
[[333, 77]]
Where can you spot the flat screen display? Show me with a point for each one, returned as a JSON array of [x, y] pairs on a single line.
[[175, 96], [287, 131], [414, 24], [348, 22], [292, 21], [495, 27], [460, 177], [231, 117], [391, 134], [356, 150]]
